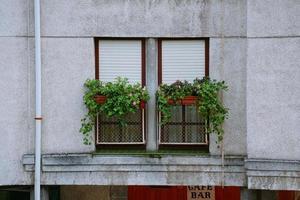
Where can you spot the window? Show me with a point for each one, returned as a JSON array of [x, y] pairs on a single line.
[[178, 59], [124, 58], [181, 59]]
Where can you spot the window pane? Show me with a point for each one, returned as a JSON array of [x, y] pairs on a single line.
[[109, 131], [182, 60], [185, 127], [176, 114], [171, 133], [120, 58]]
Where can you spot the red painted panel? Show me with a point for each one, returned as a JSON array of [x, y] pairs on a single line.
[[177, 193], [156, 193], [286, 195], [227, 193]]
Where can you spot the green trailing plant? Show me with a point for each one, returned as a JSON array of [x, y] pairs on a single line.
[[175, 92], [122, 98], [208, 103]]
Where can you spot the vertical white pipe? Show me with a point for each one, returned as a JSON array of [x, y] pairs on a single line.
[[38, 100]]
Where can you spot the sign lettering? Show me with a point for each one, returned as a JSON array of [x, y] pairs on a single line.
[[200, 193]]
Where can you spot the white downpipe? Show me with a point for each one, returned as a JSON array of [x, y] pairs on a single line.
[[38, 101]]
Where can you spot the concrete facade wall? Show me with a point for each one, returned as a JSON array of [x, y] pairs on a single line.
[[254, 46], [273, 94], [15, 115], [228, 62], [67, 63], [273, 79], [155, 18]]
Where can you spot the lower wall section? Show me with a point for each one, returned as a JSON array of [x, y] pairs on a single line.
[[85, 192], [167, 170], [87, 169], [273, 174]]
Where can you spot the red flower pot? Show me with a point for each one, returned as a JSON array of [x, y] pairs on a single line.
[[172, 102], [189, 100], [142, 105], [100, 99]]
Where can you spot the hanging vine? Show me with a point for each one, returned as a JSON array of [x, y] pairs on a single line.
[[208, 103], [122, 98]]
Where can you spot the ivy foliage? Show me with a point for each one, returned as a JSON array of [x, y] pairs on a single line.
[[122, 98], [208, 102]]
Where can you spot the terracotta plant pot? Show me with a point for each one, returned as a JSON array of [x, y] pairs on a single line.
[[100, 99], [172, 102], [189, 100]]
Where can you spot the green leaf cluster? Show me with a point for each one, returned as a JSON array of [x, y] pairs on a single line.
[[122, 98], [208, 103]]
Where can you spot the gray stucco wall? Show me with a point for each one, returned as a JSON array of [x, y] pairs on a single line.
[[254, 46], [67, 63], [273, 98], [273, 79], [16, 118], [273, 18], [16, 135], [154, 18], [68, 28], [228, 62], [75, 23]]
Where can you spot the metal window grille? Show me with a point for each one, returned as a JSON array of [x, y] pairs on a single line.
[[185, 127], [109, 130]]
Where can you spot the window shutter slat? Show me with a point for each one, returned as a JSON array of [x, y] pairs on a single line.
[[182, 60], [120, 58]]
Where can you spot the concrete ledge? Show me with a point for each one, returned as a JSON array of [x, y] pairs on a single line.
[[87, 169], [273, 174]]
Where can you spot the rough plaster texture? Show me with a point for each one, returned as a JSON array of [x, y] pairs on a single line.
[[153, 18], [228, 62], [86, 169], [14, 17], [14, 110], [67, 63], [270, 18], [66, 169], [273, 93], [273, 174]]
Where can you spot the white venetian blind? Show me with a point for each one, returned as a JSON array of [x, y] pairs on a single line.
[[182, 60], [120, 58]]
